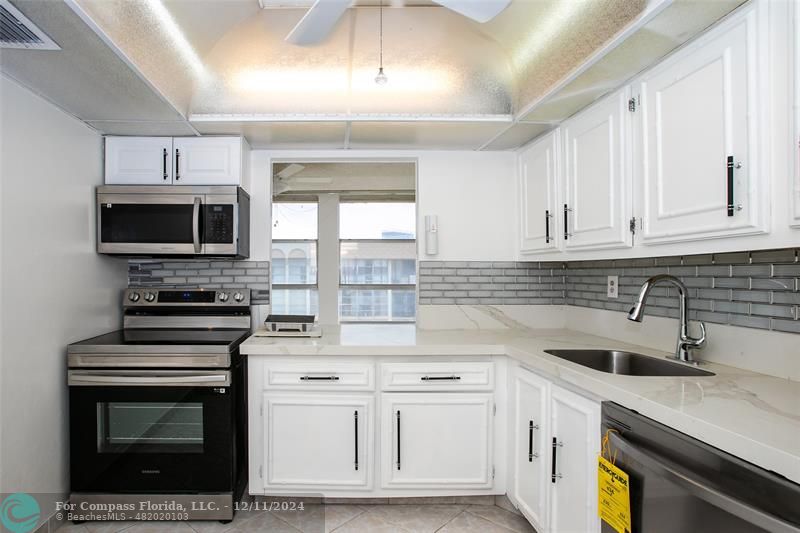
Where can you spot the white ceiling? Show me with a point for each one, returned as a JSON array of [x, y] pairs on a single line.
[[182, 67]]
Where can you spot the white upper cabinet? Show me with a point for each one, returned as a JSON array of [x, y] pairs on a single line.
[[530, 449], [138, 160], [697, 159], [597, 199], [208, 160], [538, 183], [175, 160], [436, 440], [575, 430], [796, 138]]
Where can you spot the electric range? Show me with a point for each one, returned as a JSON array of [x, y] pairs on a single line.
[[158, 408]]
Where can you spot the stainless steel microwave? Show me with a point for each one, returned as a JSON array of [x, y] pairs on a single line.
[[141, 220]]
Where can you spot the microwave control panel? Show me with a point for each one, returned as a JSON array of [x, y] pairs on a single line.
[[218, 224]]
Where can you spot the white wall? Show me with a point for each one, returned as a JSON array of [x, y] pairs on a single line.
[[472, 193], [54, 288]]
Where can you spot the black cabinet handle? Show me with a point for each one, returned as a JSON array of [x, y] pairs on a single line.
[[547, 226], [177, 164], [566, 221], [319, 378], [355, 424], [398, 440], [531, 453], [730, 186], [440, 378], [164, 165], [553, 474]]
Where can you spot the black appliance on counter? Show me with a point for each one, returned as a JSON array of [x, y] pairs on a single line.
[[679, 484], [158, 410]]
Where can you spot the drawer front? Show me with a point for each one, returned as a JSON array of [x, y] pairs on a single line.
[[445, 376], [319, 376]]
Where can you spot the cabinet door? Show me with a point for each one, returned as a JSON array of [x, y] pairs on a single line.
[[575, 443], [208, 160], [138, 160], [699, 117], [436, 440], [796, 140], [538, 180], [318, 441], [597, 204], [531, 475]]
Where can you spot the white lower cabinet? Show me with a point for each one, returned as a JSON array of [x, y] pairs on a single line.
[[554, 463], [530, 446], [575, 438], [437, 440], [318, 441]]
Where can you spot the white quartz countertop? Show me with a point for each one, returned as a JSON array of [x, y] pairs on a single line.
[[753, 416]]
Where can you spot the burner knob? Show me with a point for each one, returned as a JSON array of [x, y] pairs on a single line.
[[223, 297], [134, 297], [149, 296], [238, 296]]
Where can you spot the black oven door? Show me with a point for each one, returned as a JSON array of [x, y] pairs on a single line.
[[152, 431]]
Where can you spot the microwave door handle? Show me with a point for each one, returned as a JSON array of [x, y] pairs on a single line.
[[699, 487], [196, 225]]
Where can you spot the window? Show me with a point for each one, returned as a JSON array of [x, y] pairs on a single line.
[[294, 258], [377, 271]]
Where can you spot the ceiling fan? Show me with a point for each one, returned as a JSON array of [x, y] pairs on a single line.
[[321, 17]]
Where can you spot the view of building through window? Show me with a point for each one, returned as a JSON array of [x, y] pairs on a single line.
[[378, 261], [377, 270], [294, 259]]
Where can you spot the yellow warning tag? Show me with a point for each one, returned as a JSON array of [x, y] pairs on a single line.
[[614, 499]]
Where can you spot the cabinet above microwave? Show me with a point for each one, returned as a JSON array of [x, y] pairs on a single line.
[[175, 160], [173, 221]]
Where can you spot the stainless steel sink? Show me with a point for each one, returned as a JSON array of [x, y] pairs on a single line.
[[627, 363]]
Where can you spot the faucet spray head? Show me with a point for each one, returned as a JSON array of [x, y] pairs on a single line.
[[637, 312]]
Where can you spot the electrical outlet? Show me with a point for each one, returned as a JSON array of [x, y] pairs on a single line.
[[612, 287]]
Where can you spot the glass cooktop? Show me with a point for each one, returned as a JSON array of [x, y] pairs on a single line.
[[229, 338]]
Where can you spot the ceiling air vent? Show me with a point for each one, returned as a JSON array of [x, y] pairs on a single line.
[[16, 31]]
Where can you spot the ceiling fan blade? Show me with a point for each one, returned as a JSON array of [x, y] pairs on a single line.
[[477, 10], [318, 22]]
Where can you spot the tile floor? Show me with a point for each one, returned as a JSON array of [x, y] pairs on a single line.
[[339, 518]]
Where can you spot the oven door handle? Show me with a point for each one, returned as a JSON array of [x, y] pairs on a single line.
[[700, 487], [76, 378], [196, 225]]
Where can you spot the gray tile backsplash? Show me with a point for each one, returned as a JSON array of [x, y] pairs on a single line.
[[759, 289], [207, 274]]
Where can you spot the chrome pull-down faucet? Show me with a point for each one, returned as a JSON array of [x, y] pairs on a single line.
[[685, 342]]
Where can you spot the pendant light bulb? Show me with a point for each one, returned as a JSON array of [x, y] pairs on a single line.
[[381, 78]]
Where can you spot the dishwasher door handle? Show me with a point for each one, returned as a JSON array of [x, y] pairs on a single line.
[[699, 487]]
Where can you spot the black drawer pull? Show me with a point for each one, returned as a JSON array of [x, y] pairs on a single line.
[[164, 166], [531, 454], [177, 164], [547, 226], [319, 378], [731, 207], [440, 378], [553, 475], [398, 440], [355, 423]]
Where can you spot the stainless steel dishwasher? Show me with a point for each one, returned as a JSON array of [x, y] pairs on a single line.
[[680, 484]]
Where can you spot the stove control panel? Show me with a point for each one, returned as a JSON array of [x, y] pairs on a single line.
[[152, 297]]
